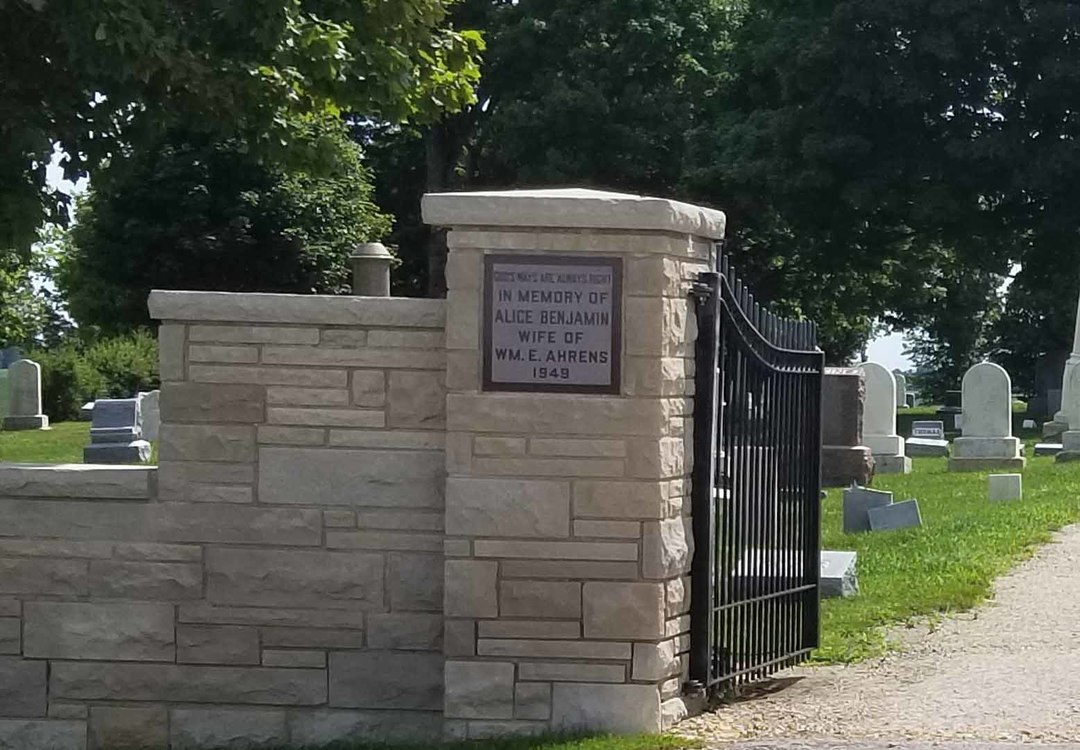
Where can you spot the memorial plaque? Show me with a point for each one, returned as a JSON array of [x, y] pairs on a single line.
[[552, 323]]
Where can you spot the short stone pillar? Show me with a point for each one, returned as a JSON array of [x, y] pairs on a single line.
[[987, 442], [901, 390], [570, 344], [24, 397], [844, 458], [879, 421], [371, 270]]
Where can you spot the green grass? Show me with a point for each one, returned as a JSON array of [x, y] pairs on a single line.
[[62, 444], [950, 563]]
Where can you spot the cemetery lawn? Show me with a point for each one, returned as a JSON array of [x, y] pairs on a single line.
[[950, 563], [63, 444]]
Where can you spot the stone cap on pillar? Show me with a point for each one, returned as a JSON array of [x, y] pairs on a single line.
[[571, 208]]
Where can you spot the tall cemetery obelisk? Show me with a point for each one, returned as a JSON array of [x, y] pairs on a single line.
[[1069, 416]]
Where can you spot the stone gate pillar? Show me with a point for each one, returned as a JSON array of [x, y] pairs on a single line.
[[569, 396]]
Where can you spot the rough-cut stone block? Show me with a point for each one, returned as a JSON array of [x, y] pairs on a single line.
[[471, 589], [398, 439], [69, 711], [241, 355], [172, 341], [369, 388], [624, 610], [351, 477], [540, 599], [577, 416], [403, 631], [553, 649], [325, 417], [384, 540], [108, 681], [572, 672], [654, 662], [563, 569], [191, 728], [385, 679], [303, 309], [30, 734], [857, 504], [532, 701], [314, 618], [401, 520], [42, 576], [666, 548], [293, 658], [22, 688], [644, 500], [507, 508], [132, 631], [499, 446], [839, 577], [623, 709], [276, 435], [607, 529], [1005, 487], [158, 552], [459, 638], [479, 690], [314, 637], [128, 728], [10, 635], [201, 402], [183, 442], [254, 334], [365, 357], [295, 578], [145, 580], [552, 629], [417, 400], [550, 467], [598, 551], [415, 582], [76, 481], [903, 515], [316, 727], [307, 377], [286, 396], [217, 644]]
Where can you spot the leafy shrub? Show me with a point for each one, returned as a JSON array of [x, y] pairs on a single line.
[[119, 367]]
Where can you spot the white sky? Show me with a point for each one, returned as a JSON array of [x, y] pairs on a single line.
[[889, 351]]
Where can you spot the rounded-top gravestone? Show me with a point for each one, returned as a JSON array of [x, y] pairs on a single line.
[[24, 397], [879, 415], [901, 389], [987, 401]]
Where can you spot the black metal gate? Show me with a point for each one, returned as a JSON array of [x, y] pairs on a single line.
[[757, 480]]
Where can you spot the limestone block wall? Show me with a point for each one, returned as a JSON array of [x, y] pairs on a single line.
[[278, 578], [568, 515]]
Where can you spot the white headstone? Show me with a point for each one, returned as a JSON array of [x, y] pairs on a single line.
[[987, 401], [901, 389], [1005, 487], [24, 397], [987, 441], [4, 399], [879, 417], [151, 414]]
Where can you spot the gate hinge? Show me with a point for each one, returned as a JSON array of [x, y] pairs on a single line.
[[701, 291]]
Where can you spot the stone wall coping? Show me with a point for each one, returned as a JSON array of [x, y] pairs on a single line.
[[311, 309], [573, 208], [76, 480]]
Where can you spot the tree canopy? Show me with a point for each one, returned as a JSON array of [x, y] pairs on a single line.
[[100, 75], [188, 212]]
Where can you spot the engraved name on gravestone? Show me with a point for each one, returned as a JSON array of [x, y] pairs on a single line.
[[552, 323], [930, 430]]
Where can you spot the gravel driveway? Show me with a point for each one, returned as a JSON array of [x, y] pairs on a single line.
[[1008, 672]]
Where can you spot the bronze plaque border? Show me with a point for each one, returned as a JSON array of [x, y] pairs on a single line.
[[616, 266]]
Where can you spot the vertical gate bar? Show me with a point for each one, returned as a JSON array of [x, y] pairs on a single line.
[[702, 500], [814, 617]]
